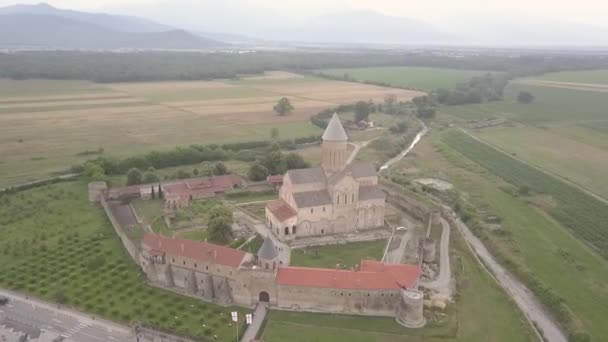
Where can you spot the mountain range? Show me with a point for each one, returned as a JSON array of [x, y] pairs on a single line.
[[217, 25], [43, 26]]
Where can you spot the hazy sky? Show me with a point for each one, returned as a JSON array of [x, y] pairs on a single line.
[[585, 11]]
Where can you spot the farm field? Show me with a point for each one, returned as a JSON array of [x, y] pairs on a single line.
[[426, 79], [45, 126], [347, 255], [564, 131], [587, 76], [58, 247], [483, 312], [532, 243]]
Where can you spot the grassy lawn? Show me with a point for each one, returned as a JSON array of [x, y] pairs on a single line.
[[58, 247], [194, 215], [533, 242], [347, 255], [416, 77], [256, 209], [483, 312], [148, 210]]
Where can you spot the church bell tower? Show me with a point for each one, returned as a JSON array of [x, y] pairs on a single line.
[[334, 148]]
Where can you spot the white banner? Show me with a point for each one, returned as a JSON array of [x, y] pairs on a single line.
[[235, 316], [249, 318]]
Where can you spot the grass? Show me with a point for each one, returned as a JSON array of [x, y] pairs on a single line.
[[556, 150], [584, 215], [530, 241], [588, 76], [415, 77], [550, 105], [148, 210], [346, 255], [58, 247], [194, 215], [256, 209], [483, 312], [24, 88]]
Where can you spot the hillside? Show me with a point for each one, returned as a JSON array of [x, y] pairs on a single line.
[[48, 31]]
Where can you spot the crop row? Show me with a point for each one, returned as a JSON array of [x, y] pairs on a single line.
[[584, 215]]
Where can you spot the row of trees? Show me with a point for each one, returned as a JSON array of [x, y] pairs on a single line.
[[136, 176], [153, 66], [275, 162]]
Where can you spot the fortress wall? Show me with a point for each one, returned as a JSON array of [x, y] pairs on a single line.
[[129, 246], [377, 303]]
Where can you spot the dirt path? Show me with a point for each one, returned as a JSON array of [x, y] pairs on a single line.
[[443, 281], [395, 255], [523, 297], [358, 146]]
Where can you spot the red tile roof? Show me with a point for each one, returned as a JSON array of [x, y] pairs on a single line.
[[196, 250], [275, 179], [374, 277], [205, 185], [281, 209]]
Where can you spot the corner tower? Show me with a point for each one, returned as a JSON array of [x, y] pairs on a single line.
[[334, 149]]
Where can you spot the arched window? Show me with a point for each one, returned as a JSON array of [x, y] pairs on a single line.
[[345, 200], [286, 230], [338, 199], [311, 210], [293, 230]]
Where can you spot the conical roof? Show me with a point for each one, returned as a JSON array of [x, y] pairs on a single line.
[[268, 251], [334, 130]]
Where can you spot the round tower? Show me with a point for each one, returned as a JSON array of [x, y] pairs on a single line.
[[97, 190], [410, 309], [334, 148], [267, 256]]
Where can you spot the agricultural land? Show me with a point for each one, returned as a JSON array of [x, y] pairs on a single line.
[[47, 126]]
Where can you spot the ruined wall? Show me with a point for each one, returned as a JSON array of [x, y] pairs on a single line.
[[381, 303]]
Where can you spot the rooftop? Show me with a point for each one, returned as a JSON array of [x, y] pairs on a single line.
[[196, 250], [335, 130], [281, 209], [308, 199], [372, 276], [304, 176], [268, 250]]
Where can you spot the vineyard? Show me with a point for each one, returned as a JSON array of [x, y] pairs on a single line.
[[584, 215]]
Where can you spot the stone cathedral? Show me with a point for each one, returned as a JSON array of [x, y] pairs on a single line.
[[336, 198]]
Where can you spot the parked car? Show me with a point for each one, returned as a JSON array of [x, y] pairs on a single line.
[[3, 300]]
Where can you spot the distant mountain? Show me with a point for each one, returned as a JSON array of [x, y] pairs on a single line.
[[49, 31], [360, 27], [114, 22], [517, 29]]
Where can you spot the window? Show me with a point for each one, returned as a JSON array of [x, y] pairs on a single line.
[[353, 198], [338, 199], [323, 209], [286, 230], [207, 268], [293, 230], [345, 200], [184, 262], [201, 281], [311, 210], [195, 265], [322, 231]]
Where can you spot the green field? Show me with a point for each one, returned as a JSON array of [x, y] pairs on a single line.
[[426, 79], [588, 76], [58, 247], [483, 312], [584, 215], [530, 243], [346, 255], [550, 105]]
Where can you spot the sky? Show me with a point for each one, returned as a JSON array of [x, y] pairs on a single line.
[[593, 12]]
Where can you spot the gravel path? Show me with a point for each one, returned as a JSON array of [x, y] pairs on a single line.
[[443, 282]]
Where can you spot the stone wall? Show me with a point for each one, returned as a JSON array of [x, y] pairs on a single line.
[[377, 303], [129, 245]]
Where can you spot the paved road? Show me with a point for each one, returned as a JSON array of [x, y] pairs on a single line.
[[443, 282], [258, 318], [74, 326], [522, 296]]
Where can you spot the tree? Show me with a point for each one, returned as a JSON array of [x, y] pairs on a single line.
[[274, 162], [150, 176], [134, 176], [425, 107], [219, 169], [294, 161], [283, 107], [362, 111], [257, 172], [220, 224], [94, 172], [160, 192], [153, 194], [390, 104], [399, 128], [274, 133], [181, 174], [525, 97]]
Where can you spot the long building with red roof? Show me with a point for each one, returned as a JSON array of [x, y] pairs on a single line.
[[230, 276]]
